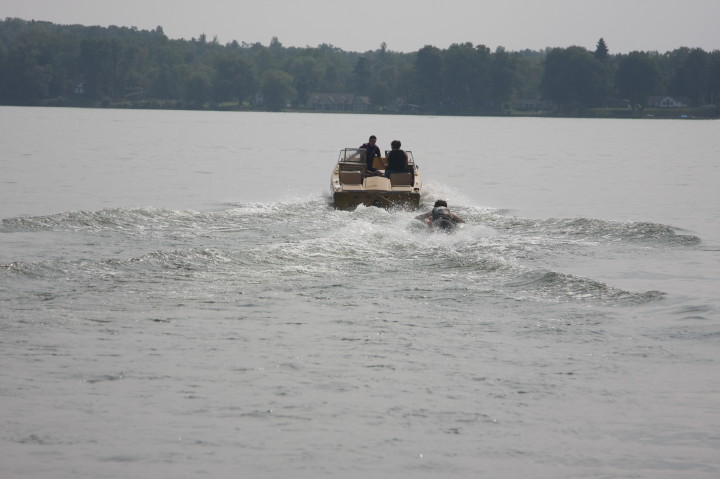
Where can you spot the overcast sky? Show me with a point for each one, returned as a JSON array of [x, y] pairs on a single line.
[[404, 25]]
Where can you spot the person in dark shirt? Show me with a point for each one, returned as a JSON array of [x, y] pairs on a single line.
[[397, 159], [373, 151]]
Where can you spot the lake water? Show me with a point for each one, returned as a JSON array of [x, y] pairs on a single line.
[[179, 299]]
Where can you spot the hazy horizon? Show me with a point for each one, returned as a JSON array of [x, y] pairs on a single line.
[[402, 24]]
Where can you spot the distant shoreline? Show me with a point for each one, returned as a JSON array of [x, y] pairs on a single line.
[[701, 113], [46, 64]]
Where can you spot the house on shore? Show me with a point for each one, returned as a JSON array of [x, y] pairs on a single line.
[[338, 102], [530, 104], [667, 102]]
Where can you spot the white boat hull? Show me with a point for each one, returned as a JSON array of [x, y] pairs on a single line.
[[352, 186]]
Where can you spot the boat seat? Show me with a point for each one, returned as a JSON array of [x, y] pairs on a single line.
[[348, 166], [351, 177], [401, 179]]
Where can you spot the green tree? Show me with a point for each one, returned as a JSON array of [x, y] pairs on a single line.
[[691, 76], [601, 50], [165, 83], [428, 77], [504, 76], [362, 76], [637, 77], [529, 73], [572, 78], [306, 72], [233, 78], [460, 79], [608, 67], [277, 89], [384, 91], [197, 90], [380, 95], [24, 79], [99, 56], [714, 80]]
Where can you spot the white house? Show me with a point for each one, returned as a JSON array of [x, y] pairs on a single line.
[[667, 102], [338, 101]]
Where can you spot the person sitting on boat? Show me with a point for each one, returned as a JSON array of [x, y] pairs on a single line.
[[373, 151], [397, 160], [440, 217]]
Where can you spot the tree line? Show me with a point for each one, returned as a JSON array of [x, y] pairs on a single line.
[[43, 63]]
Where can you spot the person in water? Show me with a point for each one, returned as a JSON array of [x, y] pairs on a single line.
[[373, 151], [397, 159], [440, 217]]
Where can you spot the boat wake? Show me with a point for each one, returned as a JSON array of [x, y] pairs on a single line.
[[308, 246]]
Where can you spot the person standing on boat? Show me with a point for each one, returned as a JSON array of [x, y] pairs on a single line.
[[373, 151], [397, 159], [440, 217]]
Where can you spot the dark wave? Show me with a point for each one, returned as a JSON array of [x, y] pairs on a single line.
[[554, 286], [40, 270], [118, 219], [143, 219], [590, 229], [168, 262]]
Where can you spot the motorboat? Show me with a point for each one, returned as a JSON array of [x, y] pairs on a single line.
[[352, 184]]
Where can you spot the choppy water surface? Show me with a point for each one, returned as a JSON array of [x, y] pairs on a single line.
[[156, 321]]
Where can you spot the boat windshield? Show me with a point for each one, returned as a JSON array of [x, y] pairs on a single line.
[[353, 155], [357, 155], [411, 160]]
